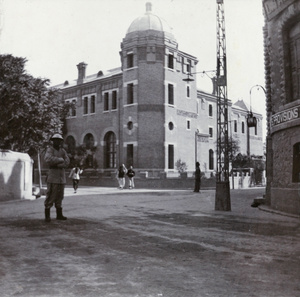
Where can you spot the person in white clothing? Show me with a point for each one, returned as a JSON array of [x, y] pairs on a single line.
[[75, 175], [121, 172]]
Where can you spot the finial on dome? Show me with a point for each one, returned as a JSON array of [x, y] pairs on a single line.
[[148, 7]]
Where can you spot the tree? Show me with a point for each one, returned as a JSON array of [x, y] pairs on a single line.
[[233, 147], [181, 166], [30, 111]]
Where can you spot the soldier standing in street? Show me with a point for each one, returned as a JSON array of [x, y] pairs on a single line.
[[57, 159], [197, 178]]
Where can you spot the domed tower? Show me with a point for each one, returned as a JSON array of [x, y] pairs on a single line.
[[151, 65]]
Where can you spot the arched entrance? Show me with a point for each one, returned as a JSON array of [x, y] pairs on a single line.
[[71, 145], [110, 150], [89, 144]]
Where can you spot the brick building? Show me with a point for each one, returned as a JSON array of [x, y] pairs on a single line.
[[143, 113], [282, 64]]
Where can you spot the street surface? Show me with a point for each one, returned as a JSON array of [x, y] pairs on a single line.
[[142, 243]]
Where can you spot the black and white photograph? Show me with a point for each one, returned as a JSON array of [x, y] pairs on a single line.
[[150, 148]]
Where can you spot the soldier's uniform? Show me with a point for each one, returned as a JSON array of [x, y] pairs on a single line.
[[58, 160]]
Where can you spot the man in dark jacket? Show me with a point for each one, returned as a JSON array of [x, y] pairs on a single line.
[[131, 174], [197, 178], [57, 159]]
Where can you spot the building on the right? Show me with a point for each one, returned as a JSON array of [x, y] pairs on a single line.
[[282, 72]]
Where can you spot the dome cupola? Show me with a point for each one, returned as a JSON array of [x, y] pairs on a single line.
[[150, 21]]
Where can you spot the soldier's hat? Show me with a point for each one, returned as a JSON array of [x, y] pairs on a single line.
[[56, 136]]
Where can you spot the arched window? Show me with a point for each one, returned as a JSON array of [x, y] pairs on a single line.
[[293, 67], [211, 160], [89, 145], [88, 141], [296, 162], [71, 145], [110, 151]]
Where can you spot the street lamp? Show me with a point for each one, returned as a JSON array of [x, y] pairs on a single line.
[[251, 119], [190, 74]]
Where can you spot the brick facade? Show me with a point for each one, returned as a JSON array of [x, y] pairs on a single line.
[[143, 113], [282, 64]]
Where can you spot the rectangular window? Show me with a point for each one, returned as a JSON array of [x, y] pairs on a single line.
[[189, 66], [235, 125], [188, 91], [188, 125], [130, 94], [296, 163], [171, 61], [73, 108], [211, 160], [294, 65], [85, 105], [171, 156], [114, 100], [210, 110], [210, 132], [106, 103], [129, 155], [171, 94], [129, 60], [243, 127], [93, 102], [255, 129]]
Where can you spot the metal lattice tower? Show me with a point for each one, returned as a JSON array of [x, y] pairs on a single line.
[[222, 201]]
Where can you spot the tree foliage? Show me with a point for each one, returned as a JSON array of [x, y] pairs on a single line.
[[181, 166], [233, 146], [30, 111]]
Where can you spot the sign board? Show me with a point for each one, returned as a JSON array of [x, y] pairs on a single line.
[[287, 115]]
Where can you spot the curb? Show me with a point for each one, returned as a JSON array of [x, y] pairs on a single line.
[[268, 209]]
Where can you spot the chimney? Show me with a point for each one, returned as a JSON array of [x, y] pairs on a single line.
[[148, 7], [81, 72]]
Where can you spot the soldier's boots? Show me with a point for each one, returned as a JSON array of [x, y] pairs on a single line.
[[47, 215], [59, 214]]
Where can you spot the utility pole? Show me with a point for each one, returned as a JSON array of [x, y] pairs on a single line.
[[222, 199]]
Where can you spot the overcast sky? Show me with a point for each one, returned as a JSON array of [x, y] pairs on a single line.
[[55, 35]]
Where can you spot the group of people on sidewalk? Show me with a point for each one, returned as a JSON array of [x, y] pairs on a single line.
[[120, 175], [122, 172]]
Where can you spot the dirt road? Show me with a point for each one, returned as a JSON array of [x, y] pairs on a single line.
[[168, 243]]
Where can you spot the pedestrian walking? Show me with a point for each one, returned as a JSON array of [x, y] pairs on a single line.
[[57, 159], [241, 180], [131, 174], [252, 178], [75, 175], [121, 176], [197, 178]]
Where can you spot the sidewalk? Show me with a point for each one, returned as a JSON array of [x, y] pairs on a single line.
[[84, 190], [269, 209]]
